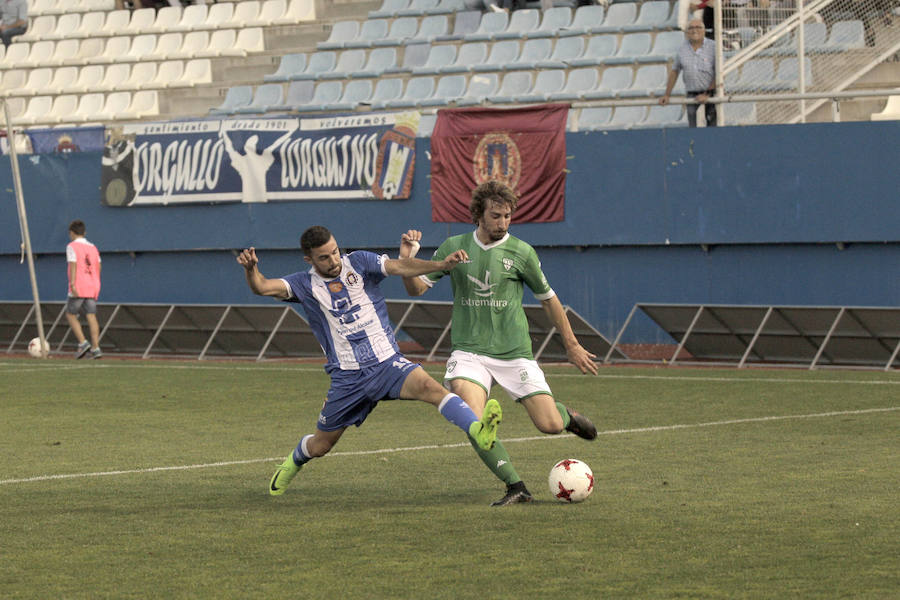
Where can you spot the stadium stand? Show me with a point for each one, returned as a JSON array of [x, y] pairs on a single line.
[[96, 48]]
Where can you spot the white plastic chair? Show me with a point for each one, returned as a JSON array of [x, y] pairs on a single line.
[[144, 103], [116, 23], [196, 71], [245, 14], [41, 7], [37, 111], [16, 55], [91, 24], [63, 107], [218, 16], [89, 78], [116, 48], [251, 40], [13, 80], [41, 28], [90, 107], [101, 5], [168, 74], [63, 79], [166, 19], [168, 46], [192, 17], [890, 112], [113, 78], [117, 105], [194, 43], [90, 51], [141, 21], [16, 107], [40, 54], [298, 11], [67, 26], [270, 11], [221, 43], [142, 48], [64, 50], [38, 81], [142, 76]]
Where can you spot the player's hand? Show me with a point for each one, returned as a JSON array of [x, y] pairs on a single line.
[[582, 359], [409, 243], [247, 258], [455, 258], [664, 100]]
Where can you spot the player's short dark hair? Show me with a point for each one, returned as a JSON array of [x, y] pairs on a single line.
[[314, 237], [77, 227], [490, 192]]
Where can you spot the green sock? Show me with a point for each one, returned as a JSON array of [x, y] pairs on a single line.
[[498, 461], [564, 414]]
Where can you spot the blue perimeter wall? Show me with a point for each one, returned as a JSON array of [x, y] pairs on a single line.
[[738, 215]]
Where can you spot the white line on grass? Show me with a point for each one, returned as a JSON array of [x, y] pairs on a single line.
[[460, 445], [17, 368]]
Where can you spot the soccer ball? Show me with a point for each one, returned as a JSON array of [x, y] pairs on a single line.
[[34, 347], [571, 480]]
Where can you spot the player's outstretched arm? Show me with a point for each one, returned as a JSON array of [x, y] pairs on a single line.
[[575, 352], [409, 246], [260, 285], [413, 267]]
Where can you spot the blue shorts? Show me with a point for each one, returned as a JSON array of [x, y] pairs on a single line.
[[353, 394]]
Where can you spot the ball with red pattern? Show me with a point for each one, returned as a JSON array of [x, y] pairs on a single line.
[[571, 480]]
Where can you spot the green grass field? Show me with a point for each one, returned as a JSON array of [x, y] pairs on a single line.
[[130, 479]]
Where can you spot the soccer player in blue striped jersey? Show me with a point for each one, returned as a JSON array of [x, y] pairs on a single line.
[[489, 335], [346, 310]]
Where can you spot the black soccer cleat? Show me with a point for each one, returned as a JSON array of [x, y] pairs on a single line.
[[581, 425], [516, 493]]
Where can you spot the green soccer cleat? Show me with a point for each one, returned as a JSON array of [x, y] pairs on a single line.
[[484, 431], [283, 476]]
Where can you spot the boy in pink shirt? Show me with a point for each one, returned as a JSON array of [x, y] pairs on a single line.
[[83, 260]]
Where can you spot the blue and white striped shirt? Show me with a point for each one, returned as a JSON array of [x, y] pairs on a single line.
[[698, 66], [347, 314]]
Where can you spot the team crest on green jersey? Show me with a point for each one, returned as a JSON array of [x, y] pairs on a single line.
[[507, 263]]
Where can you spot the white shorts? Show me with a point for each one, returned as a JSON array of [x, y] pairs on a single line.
[[520, 377]]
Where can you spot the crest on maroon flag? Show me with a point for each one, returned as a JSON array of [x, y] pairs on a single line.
[[524, 148], [497, 158]]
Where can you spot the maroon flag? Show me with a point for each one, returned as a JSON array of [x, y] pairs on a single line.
[[524, 148]]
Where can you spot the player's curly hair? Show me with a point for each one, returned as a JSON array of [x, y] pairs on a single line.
[[314, 237], [491, 191]]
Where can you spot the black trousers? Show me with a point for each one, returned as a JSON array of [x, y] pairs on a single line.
[[710, 112]]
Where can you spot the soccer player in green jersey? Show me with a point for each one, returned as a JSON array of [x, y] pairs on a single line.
[[489, 335]]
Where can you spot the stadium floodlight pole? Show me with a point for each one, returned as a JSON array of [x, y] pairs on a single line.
[[23, 225]]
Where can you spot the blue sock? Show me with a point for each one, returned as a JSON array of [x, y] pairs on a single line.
[[300, 453], [457, 412]]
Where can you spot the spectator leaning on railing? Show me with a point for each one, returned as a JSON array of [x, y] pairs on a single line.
[[13, 19], [697, 59]]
